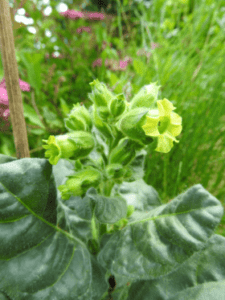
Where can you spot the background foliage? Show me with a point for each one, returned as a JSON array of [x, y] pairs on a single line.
[[178, 43]]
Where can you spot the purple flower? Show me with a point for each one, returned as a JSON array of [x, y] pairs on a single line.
[[72, 14], [81, 29]]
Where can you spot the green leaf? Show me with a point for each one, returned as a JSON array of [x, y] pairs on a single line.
[[32, 62], [139, 194], [163, 238], [202, 276], [108, 209], [31, 114], [38, 260]]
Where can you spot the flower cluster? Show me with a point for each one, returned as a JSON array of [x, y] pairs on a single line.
[[4, 102], [128, 128], [73, 15]]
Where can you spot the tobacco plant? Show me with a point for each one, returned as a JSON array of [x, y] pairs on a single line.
[[83, 224]]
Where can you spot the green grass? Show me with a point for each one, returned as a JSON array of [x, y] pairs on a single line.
[[189, 67]]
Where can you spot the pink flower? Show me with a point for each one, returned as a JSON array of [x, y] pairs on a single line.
[[123, 64], [23, 85], [3, 96], [81, 29], [97, 62], [113, 64], [6, 113], [95, 16], [72, 14], [4, 102], [154, 45]]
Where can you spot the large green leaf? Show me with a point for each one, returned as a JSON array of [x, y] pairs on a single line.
[[108, 209], [165, 252], [39, 260], [157, 241], [200, 277]]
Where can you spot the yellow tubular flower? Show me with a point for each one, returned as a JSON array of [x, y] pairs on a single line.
[[163, 124]]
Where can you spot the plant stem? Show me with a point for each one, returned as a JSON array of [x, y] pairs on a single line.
[[12, 82]]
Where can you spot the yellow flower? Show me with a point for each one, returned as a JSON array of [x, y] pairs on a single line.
[[163, 124]]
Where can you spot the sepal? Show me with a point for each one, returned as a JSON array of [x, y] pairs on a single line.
[[131, 125], [73, 145], [101, 95], [78, 119], [123, 153], [146, 97], [115, 171], [102, 126], [118, 105]]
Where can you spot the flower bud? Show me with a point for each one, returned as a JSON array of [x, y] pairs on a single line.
[[118, 105], [131, 125], [74, 145], [123, 153], [102, 126], [101, 95], [115, 171], [78, 184], [78, 119], [130, 210], [146, 97], [103, 112]]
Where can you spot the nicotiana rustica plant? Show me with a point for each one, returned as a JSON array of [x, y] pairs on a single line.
[[83, 224]]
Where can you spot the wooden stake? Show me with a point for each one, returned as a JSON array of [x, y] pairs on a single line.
[[12, 81]]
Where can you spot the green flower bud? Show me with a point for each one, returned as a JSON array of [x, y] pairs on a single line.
[[130, 210], [123, 153], [117, 226], [115, 171], [146, 97], [120, 224], [118, 105], [103, 112], [102, 126], [128, 173], [74, 145], [78, 184], [78, 119], [131, 125], [101, 95]]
